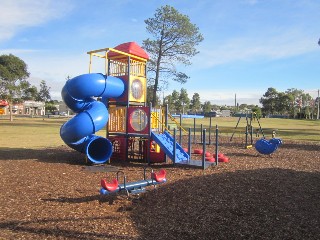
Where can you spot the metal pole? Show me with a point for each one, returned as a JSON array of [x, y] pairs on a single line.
[[217, 151], [210, 130], [189, 143], [194, 130], [180, 136], [318, 104], [251, 133], [235, 128], [201, 127], [246, 136], [174, 147], [204, 149]]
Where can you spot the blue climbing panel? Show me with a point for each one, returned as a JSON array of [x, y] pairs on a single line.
[[166, 142]]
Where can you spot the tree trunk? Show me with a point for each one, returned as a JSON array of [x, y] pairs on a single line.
[[156, 82], [10, 110]]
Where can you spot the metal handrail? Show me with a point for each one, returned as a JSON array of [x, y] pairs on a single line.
[[178, 124]]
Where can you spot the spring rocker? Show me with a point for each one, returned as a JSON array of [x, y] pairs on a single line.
[[267, 147], [132, 187]]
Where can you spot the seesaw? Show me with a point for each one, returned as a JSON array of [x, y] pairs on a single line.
[[132, 187]]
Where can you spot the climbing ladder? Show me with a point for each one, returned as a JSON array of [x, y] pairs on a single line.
[[166, 142]]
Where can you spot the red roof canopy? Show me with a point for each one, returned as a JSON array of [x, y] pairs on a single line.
[[131, 48], [3, 103]]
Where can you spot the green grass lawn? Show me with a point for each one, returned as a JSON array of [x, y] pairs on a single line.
[[44, 132], [33, 132], [296, 129]]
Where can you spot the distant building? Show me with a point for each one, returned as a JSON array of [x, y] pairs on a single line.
[[34, 108], [225, 113], [63, 108], [26, 108]]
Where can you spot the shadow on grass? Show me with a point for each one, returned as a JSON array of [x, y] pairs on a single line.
[[50, 155], [255, 204]]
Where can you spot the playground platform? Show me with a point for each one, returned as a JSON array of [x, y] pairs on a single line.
[[196, 164]]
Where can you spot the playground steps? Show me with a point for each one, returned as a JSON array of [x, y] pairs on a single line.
[[166, 142]]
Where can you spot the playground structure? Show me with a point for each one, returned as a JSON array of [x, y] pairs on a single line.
[[249, 129], [3, 106], [262, 145], [132, 187], [117, 100]]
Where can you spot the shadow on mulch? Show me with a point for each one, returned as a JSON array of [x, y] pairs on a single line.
[[31, 227], [253, 204]]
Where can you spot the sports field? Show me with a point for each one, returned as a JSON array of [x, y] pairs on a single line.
[[44, 132]]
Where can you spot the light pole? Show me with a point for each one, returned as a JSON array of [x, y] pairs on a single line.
[[318, 98]]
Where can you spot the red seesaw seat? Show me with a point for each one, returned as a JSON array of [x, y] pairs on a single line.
[[109, 186], [160, 176]]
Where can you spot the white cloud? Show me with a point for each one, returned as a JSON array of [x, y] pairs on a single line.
[[227, 97], [16, 15], [251, 48], [250, 2], [17, 51]]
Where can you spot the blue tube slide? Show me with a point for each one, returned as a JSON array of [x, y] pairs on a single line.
[[78, 133]]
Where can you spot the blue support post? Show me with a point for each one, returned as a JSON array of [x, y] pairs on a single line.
[[189, 143], [180, 136], [149, 136], [210, 130], [174, 147], [194, 130], [204, 149], [217, 151]]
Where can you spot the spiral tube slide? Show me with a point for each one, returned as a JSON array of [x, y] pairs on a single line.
[[78, 133]]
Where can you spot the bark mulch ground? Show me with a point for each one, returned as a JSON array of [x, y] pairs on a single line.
[[50, 194]]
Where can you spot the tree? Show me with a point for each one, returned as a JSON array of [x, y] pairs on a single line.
[[269, 100], [172, 101], [183, 102], [257, 111], [295, 96], [13, 75], [51, 106], [206, 107], [150, 96], [174, 41], [195, 103], [44, 92], [283, 103], [31, 93]]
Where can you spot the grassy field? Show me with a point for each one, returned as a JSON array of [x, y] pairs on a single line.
[[295, 129], [44, 132], [33, 132]]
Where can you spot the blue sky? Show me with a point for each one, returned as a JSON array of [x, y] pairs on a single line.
[[249, 45]]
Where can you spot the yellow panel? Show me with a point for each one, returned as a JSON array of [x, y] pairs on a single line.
[[117, 119], [155, 120]]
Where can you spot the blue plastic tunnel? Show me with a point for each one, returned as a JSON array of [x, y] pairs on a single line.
[[78, 133]]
